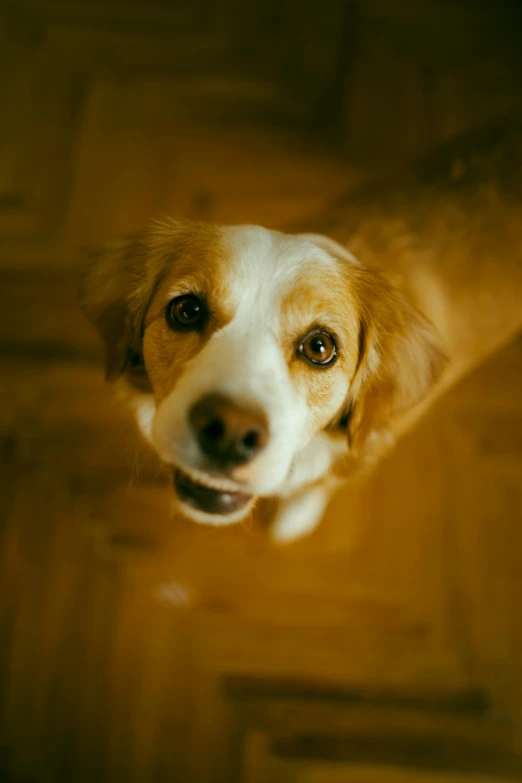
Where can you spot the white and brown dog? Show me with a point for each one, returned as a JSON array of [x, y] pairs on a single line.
[[261, 363]]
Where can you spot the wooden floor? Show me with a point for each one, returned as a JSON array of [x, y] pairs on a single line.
[[385, 648]]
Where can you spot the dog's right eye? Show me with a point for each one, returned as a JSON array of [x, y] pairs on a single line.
[[186, 312]]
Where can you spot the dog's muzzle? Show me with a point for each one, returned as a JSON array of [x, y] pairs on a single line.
[[228, 436]]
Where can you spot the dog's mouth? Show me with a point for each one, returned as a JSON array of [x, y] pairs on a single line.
[[209, 499]]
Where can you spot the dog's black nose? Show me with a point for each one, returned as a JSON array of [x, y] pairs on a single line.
[[230, 435]]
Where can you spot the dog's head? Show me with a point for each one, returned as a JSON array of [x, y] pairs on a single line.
[[252, 352]]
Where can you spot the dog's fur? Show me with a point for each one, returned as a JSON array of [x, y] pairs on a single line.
[[402, 277]]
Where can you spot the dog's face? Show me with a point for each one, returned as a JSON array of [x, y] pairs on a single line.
[[259, 355]]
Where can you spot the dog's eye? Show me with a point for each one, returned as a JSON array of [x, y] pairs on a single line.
[[318, 348], [186, 312]]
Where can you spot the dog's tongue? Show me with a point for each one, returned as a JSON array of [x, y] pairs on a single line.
[[212, 501]]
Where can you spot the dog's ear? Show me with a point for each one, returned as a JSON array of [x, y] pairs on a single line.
[[400, 358], [118, 282]]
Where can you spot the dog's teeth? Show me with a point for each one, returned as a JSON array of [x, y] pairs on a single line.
[[211, 481]]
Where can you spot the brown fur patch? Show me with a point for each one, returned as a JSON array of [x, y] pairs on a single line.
[[320, 301], [198, 264], [124, 290], [110, 301], [388, 355], [400, 357]]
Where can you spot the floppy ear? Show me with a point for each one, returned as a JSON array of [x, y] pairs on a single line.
[[117, 286], [120, 280], [400, 358]]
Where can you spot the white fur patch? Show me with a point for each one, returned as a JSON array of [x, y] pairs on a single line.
[[331, 246], [145, 410], [313, 462], [299, 515]]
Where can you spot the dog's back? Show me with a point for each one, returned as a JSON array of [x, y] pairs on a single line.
[[451, 229]]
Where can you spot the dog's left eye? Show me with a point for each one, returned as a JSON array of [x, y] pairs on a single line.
[[186, 312], [318, 348]]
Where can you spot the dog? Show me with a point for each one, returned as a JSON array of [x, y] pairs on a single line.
[[264, 363]]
